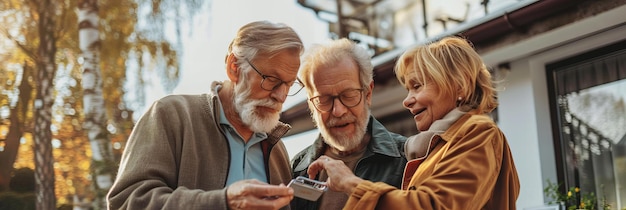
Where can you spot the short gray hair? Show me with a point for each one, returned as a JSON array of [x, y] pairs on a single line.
[[263, 37], [332, 53]]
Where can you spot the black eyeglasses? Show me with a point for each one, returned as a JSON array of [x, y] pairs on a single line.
[[349, 98], [270, 83]]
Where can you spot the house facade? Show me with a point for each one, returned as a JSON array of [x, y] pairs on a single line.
[[560, 67]]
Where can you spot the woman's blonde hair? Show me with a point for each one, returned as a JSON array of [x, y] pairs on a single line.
[[455, 68]]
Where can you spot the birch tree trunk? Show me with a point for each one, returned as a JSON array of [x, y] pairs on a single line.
[[102, 165], [44, 171]]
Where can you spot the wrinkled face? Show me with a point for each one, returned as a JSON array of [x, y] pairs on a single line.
[[258, 108], [341, 126], [425, 101]]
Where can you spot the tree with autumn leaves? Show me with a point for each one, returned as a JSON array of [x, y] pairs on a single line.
[[62, 98]]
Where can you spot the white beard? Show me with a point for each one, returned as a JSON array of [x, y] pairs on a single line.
[[257, 121], [343, 141]]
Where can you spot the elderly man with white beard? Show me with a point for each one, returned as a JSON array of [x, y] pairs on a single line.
[[220, 150], [338, 78]]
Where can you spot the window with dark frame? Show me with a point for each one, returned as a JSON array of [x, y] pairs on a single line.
[[588, 107]]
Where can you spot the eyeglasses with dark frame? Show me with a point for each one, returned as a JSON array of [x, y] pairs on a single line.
[[270, 83], [349, 98]]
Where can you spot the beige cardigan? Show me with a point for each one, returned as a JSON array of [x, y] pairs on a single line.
[[177, 157]]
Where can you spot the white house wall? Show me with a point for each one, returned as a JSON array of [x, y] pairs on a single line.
[[518, 121]]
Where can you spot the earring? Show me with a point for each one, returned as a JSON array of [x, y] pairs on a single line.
[[460, 98]]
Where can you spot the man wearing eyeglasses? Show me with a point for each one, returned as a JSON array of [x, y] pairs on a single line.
[[339, 81], [220, 150]]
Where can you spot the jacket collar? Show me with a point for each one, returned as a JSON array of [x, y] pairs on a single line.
[[379, 144], [449, 134]]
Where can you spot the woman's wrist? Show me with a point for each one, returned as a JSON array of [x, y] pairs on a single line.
[[351, 184]]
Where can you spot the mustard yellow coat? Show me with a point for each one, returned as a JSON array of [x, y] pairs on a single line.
[[469, 167]]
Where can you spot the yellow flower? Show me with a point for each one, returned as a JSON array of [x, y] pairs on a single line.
[[577, 189], [569, 193]]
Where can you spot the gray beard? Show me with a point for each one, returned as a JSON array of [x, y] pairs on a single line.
[[250, 116], [344, 141]]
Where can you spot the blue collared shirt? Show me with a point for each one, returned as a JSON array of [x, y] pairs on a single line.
[[246, 159]]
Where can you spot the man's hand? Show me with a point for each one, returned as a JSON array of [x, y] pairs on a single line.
[[253, 194], [340, 177]]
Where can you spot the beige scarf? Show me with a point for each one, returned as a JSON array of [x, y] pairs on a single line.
[[418, 146]]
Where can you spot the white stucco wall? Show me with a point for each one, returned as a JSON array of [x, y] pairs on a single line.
[[519, 123]]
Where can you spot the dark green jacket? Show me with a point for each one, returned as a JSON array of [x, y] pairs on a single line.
[[383, 161]]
